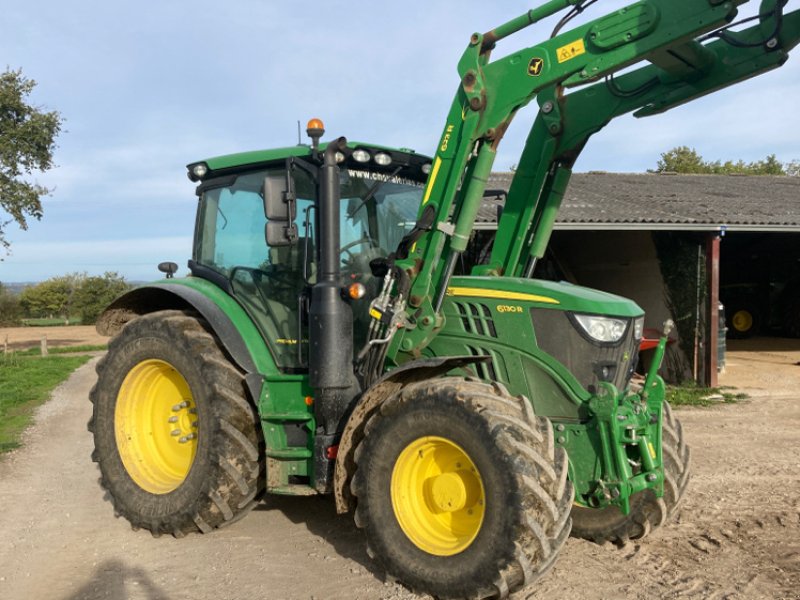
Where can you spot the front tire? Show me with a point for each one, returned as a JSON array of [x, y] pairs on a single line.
[[461, 491], [647, 513], [176, 438]]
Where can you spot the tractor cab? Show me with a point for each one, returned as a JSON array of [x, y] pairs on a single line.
[[267, 255]]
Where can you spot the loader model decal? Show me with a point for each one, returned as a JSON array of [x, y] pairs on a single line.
[[535, 66]]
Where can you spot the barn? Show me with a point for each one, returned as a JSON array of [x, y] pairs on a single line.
[[683, 247]]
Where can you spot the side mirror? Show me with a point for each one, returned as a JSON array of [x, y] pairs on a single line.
[[168, 268], [280, 209]]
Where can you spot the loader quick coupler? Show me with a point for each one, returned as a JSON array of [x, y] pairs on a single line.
[[630, 436]]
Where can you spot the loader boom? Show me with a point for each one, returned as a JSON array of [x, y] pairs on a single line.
[[668, 34]]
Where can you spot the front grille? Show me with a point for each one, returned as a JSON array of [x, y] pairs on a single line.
[[476, 318], [590, 362], [486, 370]]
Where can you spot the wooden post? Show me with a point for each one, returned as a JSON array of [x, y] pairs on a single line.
[[712, 346], [44, 345]]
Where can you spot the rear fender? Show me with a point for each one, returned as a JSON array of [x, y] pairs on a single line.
[[370, 402], [233, 327]]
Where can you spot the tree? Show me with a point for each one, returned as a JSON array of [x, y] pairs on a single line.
[[683, 159], [52, 297], [95, 293], [27, 142], [10, 309]]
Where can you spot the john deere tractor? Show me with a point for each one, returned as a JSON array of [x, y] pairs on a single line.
[[328, 340]]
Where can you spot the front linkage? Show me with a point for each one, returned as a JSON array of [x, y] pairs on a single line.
[[629, 428]]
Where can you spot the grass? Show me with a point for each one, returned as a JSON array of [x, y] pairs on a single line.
[[690, 394], [50, 322], [63, 350], [25, 383]]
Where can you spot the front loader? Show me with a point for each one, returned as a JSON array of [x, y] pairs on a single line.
[[328, 340]]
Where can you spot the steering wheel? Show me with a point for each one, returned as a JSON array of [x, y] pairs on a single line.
[[364, 240]]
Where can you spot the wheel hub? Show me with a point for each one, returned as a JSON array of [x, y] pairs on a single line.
[[742, 320], [437, 496], [156, 426]]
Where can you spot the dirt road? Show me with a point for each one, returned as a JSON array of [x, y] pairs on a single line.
[[20, 338], [738, 536]]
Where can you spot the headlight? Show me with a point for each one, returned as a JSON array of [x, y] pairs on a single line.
[[340, 157], [602, 329], [638, 328]]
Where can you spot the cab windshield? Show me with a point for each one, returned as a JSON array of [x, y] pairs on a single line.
[[376, 211]]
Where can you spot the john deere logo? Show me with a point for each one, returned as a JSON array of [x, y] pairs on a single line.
[[535, 66]]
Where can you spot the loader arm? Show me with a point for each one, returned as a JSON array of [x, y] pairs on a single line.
[[666, 33], [545, 165]]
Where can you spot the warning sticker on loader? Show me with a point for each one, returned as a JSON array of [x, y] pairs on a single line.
[[570, 51]]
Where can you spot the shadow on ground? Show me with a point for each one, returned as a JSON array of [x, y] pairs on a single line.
[[113, 579], [318, 514]]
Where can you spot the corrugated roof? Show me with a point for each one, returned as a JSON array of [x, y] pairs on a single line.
[[669, 201]]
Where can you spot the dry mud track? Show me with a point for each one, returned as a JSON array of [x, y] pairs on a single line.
[[738, 535], [21, 338]]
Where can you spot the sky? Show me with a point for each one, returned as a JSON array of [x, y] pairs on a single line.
[[148, 87]]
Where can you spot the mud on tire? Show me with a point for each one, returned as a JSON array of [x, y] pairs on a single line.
[[647, 511], [526, 516], [226, 475]]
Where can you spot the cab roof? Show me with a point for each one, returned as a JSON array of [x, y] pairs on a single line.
[[243, 160]]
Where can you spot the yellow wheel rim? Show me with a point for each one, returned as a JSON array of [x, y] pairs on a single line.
[[742, 320], [155, 422], [437, 495]]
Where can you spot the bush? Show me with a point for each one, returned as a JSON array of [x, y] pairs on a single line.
[[95, 293]]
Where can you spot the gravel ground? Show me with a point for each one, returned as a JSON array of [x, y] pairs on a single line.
[[738, 535]]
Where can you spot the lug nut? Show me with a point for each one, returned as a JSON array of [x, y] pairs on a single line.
[[173, 419], [183, 440], [622, 417], [560, 427], [651, 477], [175, 432]]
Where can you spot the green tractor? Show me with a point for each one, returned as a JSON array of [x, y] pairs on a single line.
[[329, 342]]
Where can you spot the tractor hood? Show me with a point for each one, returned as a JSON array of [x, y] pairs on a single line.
[[558, 295]]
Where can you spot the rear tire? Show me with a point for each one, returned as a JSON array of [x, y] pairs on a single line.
[[608, 524], [507, 517], [176, 438], [743, 320]]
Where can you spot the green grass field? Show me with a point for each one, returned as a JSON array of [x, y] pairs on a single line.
[[50, 322], [25, 383], [63, 350]]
